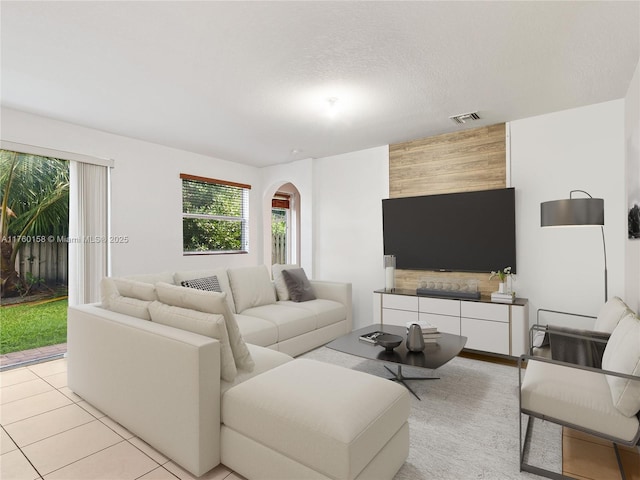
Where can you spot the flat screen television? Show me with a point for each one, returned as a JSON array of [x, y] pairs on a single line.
[[465, 232]]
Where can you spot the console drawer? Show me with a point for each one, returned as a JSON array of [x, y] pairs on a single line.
[[485, 311], [445, 323], [485, 335], [400, 302], [391, 316], [440, 305]]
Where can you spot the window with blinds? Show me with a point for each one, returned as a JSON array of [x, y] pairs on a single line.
[[215, 216]]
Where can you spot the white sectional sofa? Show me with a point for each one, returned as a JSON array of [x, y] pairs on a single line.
[[266, 319], [275, 417]]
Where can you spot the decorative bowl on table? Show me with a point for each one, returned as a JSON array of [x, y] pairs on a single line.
[[389, 341]]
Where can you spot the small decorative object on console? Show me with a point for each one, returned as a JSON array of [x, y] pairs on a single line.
[[503, 297], [504, 293], [449, 287]]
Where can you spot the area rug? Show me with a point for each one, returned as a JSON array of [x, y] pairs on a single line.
[[466, 424]]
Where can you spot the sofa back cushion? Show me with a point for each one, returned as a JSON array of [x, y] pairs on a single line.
[[219, 273], [251, 287], [610, 314], [622, 355], [207, 324], [152, 278], [209, 302], [278, 279], [128, 297]]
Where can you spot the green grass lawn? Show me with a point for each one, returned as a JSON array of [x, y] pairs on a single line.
[[31, 326]]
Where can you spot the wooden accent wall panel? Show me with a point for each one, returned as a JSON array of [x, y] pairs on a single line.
[[410, 279], [454, 162], [464, 161]]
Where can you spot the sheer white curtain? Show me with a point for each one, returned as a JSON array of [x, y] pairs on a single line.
[[88, 230]]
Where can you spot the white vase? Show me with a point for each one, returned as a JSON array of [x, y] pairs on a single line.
[[502, 287]]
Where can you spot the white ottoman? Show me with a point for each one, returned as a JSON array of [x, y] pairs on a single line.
[[311, 420]]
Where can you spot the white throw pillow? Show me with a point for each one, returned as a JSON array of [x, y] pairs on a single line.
[[108, 291], [278, 279], [135, 289], [152, 278], [610, 314], [622, 354], [207, 324], [133, 307], [112, 300], [209, 302], [223, 280]]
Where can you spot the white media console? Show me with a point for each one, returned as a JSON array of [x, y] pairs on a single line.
[[489, 327]]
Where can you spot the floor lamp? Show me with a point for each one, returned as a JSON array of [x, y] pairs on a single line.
[[575, 212]]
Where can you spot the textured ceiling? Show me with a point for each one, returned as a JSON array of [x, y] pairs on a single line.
[[249, 81]]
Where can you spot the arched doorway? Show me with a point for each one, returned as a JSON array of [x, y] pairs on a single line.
[[285, 224]]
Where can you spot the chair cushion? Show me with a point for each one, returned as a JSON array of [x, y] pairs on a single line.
[[574, 396], [300, 410], [623, 355], [251, 287], [327, 312], [610, 314], [208, 302], [207, 324], [300, 290]]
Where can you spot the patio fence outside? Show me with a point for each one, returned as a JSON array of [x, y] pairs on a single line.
[[278, 248], [47, 261]]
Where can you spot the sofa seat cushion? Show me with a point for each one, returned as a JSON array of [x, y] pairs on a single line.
[[265, 359], [303, 404], [290, 322], [257, 330], [327, 312], [575, 396]]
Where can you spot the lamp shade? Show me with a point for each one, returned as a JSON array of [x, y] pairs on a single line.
[[572, 211]]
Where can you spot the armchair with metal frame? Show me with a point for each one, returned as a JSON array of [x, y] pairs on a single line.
[[574, 345], [555, 391]]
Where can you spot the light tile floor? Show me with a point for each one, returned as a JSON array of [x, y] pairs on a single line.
[[48, 432]]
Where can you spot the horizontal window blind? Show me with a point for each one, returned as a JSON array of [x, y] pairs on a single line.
[[215, 216]]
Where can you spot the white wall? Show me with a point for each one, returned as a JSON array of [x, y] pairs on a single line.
[[347, 211], [632, 151], [582, 148], [146, 192]]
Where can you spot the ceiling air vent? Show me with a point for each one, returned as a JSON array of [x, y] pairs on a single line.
[[465, 117]]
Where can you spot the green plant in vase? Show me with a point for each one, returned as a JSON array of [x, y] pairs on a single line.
[[504, 275]]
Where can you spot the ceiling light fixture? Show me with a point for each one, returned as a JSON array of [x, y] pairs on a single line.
[[333, 108]]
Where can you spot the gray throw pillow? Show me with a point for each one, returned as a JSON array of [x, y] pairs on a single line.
[[300, 289]]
